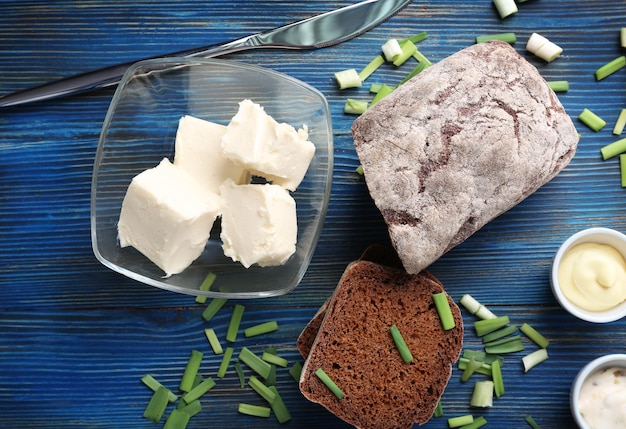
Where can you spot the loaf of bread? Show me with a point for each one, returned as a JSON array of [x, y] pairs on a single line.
[[457, 145], [354, 347]]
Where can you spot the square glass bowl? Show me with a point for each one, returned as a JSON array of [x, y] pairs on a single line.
[[139, 131]]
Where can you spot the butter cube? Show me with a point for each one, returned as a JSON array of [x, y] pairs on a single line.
[[167, 217], [259, 224], [272, 150]]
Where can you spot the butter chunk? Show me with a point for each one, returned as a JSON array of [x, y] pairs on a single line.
[[198, 152], [167, 217], [272, 150], [259, 224]]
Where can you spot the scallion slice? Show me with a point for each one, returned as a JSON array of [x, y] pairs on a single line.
[[611, 67], [512, 346], [408, 49], [296, 370], [472, 366], [421, 58], [254, 410], [211, 337], [620, 123], [613, 149], [191, 370], [534, 335], [214, 306], [154, 384], [455, 422], [484, 368], [240, 374], [260, 388], [260, 329], [405, 353], [531, 422], [235, 321], [486, 326], [482, 396], [500, 333], [622, 170], [543, 48], [205, 286], [206, 385], [592, 120], [255, 363], [504, 37], [275, 359], [355, 107], [496, 376], [502, 341], [329, 383], [228, 354], [438, 410], [533, 359], [157, 404], [278, 407], [475, 307], [348, 79], [559, 85], [391, 49], [443, 309], [505, 7], [384, 91], [177, 420], [420, 67], [416, 38], [478, 422], [359, 170], [192, 408], [371, 67]]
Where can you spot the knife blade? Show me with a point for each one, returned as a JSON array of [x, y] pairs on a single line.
[[318, 31]]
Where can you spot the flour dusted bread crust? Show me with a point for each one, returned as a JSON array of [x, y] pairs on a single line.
[[355, 348], [459, 144]]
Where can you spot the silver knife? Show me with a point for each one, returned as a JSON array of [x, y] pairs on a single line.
[[319, 31]]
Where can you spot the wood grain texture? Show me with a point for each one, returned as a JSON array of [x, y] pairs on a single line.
[[75, 338]]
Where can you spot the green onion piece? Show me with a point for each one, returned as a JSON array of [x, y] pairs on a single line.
[[279, 408], [192, 408], [438, 410], [197, 380], [592, 120], [157, 404], [420, 67], [228, 354], [191, 370], [255, 363], [482, 396], [205, 286], [622, 37], [421, 58], [348, 79], [405, 353], [559, 85], [261, 329], [475, 307], [195, 393], [477, 423], [472, 366], [613, 149], [408, 49], [534, 335], [496, 376], [504, 37], [620, 123], [416, 38], [296, 370], [235, 321], [531, 422], [610, 67], [486, 326], [482, 356], [261, 389], [534, 358], [501, 341], [505, 7], [622, 170], [214, 306], [177, 420], [371, 67], [391, 49], [455, 422], [274, 359], [512, 346], [355, 107], [543, 48], [211, 336], [485, 368], [329, 383], [500, 333], [443, 309], [254, 410], [384, 91], [153, 384], [359, 170], [240, 374]]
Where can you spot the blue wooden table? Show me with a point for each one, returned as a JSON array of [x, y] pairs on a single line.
[[75, 338]]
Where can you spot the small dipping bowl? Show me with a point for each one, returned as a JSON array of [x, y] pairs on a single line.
[[607, 236], [608, 361]]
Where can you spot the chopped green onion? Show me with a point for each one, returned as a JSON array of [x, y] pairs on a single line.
[[206, 385], [359, 170], [613, 149], [421, 58], [391, 49], [534, 335], [420, 67], [235, 321], [192, 408], [271, 379], [500, 333], [534, 358], [475, 307], [157, 404], [274, 359], [543, 48], [592, 120], [205, 286], [296, 370], [261, 389], [371, 67], [455, 422], [622, 170], [443, 309], [254, 410], [477, 423], [329, 383], [214, 306], [384, 91], [504, 37], [279, 408], [211, 336], [177, 420], [610, 67], [511, 346], [531, 422], [438, 410], [261, 329], [153, 384], [191, 370], [255, 363], [482, 356], [240, 374], [355, 107], [228, 354], [502, 341], [416, 38], [408, 49], [505, 7], [623, 37], [620, 123], [496, 376], [559, 85], [485, 368], [405, 353], [482, 396], [472, 366], [486, 326], [348, 79]]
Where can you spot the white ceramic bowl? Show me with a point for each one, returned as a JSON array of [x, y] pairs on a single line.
[[591, 235], [613, 360]]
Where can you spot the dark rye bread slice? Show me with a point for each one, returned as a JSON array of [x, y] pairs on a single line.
[[459, 144], [382, 255], [355, 348]]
